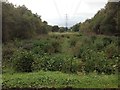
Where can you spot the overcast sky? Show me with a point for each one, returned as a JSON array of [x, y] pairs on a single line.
[[54, 11]]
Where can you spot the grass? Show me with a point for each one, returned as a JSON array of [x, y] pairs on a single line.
[[58, 80], [64, 33]]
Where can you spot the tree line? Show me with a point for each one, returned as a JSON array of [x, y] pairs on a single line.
[[19, 22], [106, 21]]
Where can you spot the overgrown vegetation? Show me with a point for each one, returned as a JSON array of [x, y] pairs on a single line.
[[36, 55], [88, 54]]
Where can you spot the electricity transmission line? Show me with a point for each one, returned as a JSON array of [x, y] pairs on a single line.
[[56, 6], [76, 9], [66, 16]]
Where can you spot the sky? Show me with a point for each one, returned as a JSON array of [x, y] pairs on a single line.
[[58, 12]]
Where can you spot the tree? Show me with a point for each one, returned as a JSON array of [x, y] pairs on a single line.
[[55, 28], [106, 21], [76, 27], [19, 22], [62, 29]]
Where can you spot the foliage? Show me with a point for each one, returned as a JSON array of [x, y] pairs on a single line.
[[22, 61], [73, 41], [83, 54], [7, 51], [64, 52], [49, 79], [55, 28], [106, 21], [98, 54], [19, 22], [76, 27], [57, 63], [46, 46], [62, 29]]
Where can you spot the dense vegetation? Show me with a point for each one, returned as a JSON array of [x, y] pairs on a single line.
[[19, 22], [32, 47], [61, 52], [84, 54], [106, 21]]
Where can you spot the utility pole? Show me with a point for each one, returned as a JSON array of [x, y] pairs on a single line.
[[66, 21]]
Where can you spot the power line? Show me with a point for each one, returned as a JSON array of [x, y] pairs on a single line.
[[56, 6], [66, 17], [76, 9]]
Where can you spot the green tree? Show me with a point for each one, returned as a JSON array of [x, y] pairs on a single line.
[[19, 22], [76, 27], [55, 28]]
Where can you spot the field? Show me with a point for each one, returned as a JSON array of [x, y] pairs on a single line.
[[61, 60]]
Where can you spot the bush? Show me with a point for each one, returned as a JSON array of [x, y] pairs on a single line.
[[22, 61], [86, 40], [99, 44], [77, 65], [112, 51], [7, 51], [76, 50], [93, 38], [45, 46], [89, 54], [97, 61], [98, 54], [46, 62], [57, 63], [55, 45], [73, 41], [107, 41]]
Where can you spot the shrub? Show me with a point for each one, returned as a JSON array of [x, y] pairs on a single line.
[[77, 65], [76, 50], [93, 38], [56, 46], [86, 40], [45, 46], [99, 44], [7, 51], [22, 61], [97, 61], [73, 41], [57, 63], [107, 41], [102, 42], [111, 50]]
